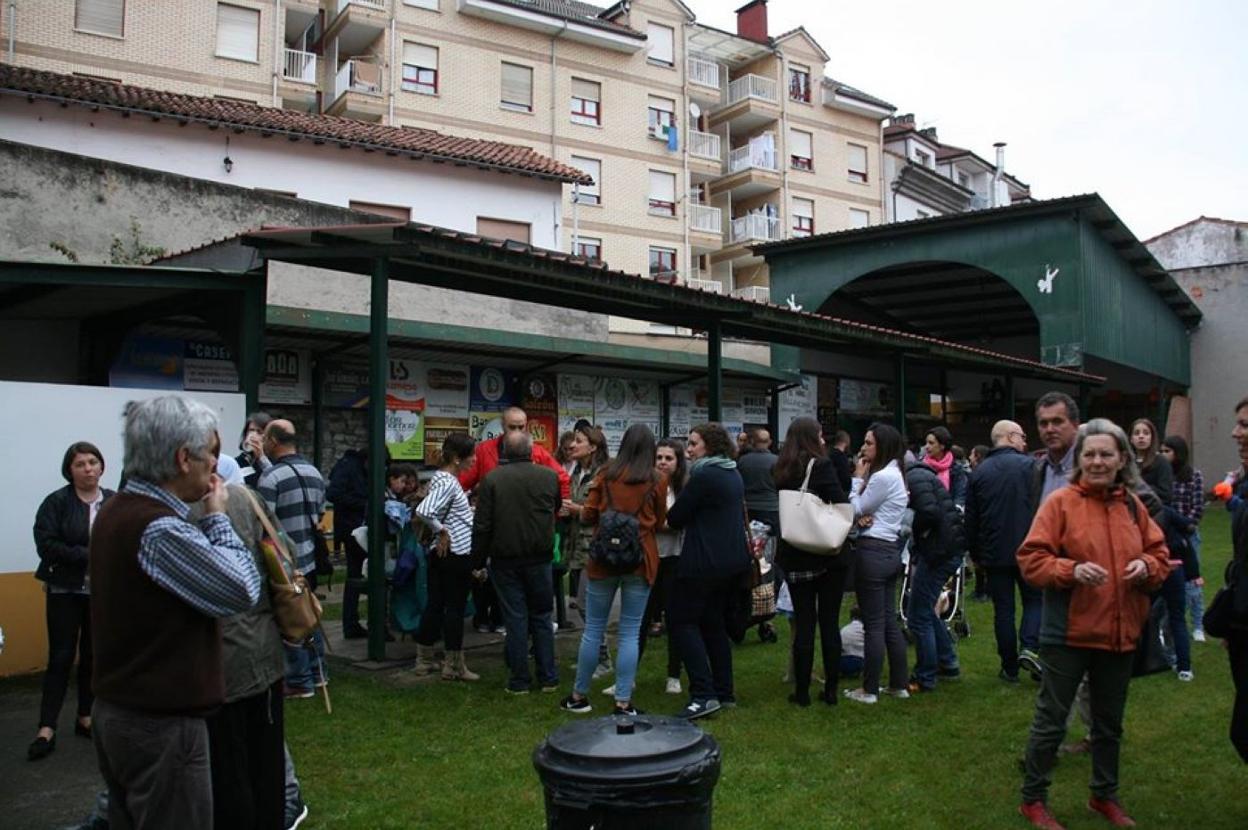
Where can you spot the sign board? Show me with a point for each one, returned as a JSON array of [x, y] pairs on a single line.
[[287, 377]]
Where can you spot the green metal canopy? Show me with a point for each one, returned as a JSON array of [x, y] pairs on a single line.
[[1067, 270]]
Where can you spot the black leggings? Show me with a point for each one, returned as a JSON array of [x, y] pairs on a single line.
[[69, 634], [450, 577], [817, 600]]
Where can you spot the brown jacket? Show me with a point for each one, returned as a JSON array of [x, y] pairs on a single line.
[[1075, 525], [627, 498]]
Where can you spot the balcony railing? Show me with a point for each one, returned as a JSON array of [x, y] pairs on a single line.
[[753, 86], [704, 145], [703, 72], [746, 157], [758, 293], [756, 227], [705, 218], [376, 5], [714, 286], [357, 76], [300, 66]]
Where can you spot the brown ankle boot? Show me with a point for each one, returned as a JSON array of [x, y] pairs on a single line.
[[455, 669], [425, 664]]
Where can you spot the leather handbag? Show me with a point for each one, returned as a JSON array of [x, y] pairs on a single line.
[[295, 607], [810, 524]]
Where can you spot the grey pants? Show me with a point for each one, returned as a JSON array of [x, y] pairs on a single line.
[[1109, 674], [877, 566], [156, 768]]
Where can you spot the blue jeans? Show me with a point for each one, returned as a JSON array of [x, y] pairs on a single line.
[[1001, 584], [599, 593], [305, 664], [527, 598], [1195, 593], [1172, 592], [932, 643]]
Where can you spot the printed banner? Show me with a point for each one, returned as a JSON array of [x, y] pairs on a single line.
[[800, 401], [576, 400], [865, 397], [287, 377], [620, 403], [148, 362], [540, 401], [208, 367], [344, 386], [405, 408], [436, 431]]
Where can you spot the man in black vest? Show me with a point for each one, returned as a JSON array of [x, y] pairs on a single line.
[[159, 586]]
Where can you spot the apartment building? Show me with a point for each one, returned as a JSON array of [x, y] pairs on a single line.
[[701, 142], [925, 178]]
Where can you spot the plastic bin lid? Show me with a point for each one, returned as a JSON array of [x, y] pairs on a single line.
[[643, 736]]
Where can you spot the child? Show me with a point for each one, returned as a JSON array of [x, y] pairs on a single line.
[[852, 644]]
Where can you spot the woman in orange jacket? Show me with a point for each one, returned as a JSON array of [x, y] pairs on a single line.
[[1096, 554]]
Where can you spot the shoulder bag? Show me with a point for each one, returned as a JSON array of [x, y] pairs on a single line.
[[810, 524], [295, 608], [617, 545]]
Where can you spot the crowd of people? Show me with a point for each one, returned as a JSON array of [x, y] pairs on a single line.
[[187, 717]]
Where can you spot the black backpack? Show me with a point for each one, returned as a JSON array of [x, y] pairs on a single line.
[[617, 544]]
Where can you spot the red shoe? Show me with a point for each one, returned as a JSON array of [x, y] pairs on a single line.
[[1037, 813], [1112, 811]]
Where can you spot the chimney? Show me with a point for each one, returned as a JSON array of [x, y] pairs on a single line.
[[996, 198], [906, 119], [752, 21]]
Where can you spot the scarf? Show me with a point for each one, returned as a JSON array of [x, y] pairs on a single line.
[[941, 467], [708, 461]]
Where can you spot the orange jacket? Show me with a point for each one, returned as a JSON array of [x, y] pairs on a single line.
[[1075, 525], [651, 515]]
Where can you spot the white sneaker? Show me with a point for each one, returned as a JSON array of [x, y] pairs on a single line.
[[554, 626], [1198, 635], [1186, 676], [900, 694], [610, 690], [673, 686], [860, 696]]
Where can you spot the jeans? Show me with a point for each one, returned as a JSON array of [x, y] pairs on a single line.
[[1109, 674], [527, 598], [695, 615], [69, 634], [876, 566], [1001, 584], [450, 577], [356, 557], [599, 594], [1195, 593], [305, 663], [1173, 593], [817, 601], [932, 644]]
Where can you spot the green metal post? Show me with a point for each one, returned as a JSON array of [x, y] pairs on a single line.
[[318, 411], [714, 370], [900, 414], [1010, 409], [665, 405], [378, 374], [944, 397], [251, 357]]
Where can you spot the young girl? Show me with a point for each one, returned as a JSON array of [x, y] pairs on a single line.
[[1189, 502]]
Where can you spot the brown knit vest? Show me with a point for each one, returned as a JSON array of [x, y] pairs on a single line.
[[153, 652]]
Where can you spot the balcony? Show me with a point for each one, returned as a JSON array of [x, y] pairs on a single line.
[[357, 91], [743, 158], [356, 25], [752, 102], [375, 5], [753, 86], [756, 228], [751, 171], [705, 79], [300, 67], [713, 286], [705, 146], [705, 219], [757, 293]]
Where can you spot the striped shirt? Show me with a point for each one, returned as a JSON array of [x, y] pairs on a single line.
[[295, 493], [447, 507], [206, 566], [1189, 496]]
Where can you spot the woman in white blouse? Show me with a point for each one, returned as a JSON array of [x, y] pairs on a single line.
[[879, 498]]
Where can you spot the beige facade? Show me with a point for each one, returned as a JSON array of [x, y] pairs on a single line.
[[509, 73]]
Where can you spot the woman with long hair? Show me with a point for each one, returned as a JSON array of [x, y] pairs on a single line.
[[1097, 556], [879, 498], [62, 539], [628, 485], [940, 456], [816, 582], [1153, 468], [251, 458], [713, 558], [589, 455], [669, 460], [1189, 503]]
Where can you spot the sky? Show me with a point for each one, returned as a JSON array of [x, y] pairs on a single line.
[[1143, 102]]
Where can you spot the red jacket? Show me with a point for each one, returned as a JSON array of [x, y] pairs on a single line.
[[485, 459]]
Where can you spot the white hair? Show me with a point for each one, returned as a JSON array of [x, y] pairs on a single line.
[[157, 428]]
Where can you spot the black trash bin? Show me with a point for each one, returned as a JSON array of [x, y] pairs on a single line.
[[641, 773]]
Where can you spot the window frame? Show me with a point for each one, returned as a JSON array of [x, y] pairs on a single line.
[[858, 176], [588, 198], [579, 110], [804, 163], [671, 40], [803, 225], [660, 207], [512, 106], [255, 58], [78, 27], [415, 85], [797, 71], [859, 211], [663, 254], [585, 242], [654, 115]]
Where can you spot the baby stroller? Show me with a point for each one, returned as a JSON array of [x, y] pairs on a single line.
[[950, 606], [755, 603]]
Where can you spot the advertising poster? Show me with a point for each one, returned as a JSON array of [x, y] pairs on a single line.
[[208, 367], [866, 397], [446, 389], [345, 386], [287, 377], [733, 411], [436, 431], [679, 411], [405, 409], [576, 400], [490, 393], [148, 363], [620, 403], [754, 407], [800, 401], [827, 392], [540, 401]]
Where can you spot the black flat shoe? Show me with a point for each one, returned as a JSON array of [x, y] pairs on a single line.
[[82, 731], [40, 748], [800, 700], [829, 696]]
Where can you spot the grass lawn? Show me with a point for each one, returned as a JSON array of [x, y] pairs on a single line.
[[403, 753]]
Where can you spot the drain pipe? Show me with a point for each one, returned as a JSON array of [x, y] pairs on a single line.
[[12, 27], [554, 141], [998, 173], [389, 73], [279, 54]]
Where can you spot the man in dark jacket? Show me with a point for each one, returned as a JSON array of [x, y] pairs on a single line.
[[348, 492], [937, 547], [999, 510], [514, 531]]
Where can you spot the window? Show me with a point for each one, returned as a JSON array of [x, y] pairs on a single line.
[[503, 229], [662, 263], [589, 194], [589, 248], [661, 40], [586, 102], [517, 87], [803, 217], [101, 17], [859, 218], [923, 158], [238, 33], [857, 163], [801, 156], [799, 83], [661, 116], [662, 193], [420, 69], [403, 214]]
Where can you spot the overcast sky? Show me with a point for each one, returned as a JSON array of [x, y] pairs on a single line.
[[1143, 101]]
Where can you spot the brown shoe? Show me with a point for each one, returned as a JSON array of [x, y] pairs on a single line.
[[1079, 747], [1112, 811], [425, 664], [1037, 813], [454, 668]]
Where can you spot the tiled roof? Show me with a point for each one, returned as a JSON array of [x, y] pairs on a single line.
[[408, 141], [851, 92], [574, 11]]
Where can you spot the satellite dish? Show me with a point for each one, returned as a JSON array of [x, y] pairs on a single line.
[[694, 109]]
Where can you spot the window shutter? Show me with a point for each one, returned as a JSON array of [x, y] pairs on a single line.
[[107, 17], [662, 186], [803, 207], [517, 85], [589, 90], [502, 229], [594, 168], [662, 104], [238, 32], [799, 144], [418, 54], [858, 159], [660, 39]]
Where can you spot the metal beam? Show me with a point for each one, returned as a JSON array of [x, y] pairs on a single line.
[[23, 294], [714, 372], [378, 374]]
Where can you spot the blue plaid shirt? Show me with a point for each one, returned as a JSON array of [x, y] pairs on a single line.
[[1189, 496]]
